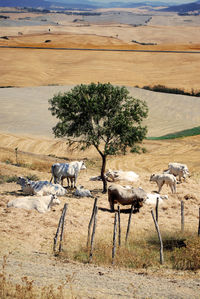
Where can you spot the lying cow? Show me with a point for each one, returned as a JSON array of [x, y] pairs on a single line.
[[178, 169], [152, 198], [162, 179], [42, 204], [82, 192], [40, 188], [126, 196], [120, 175], [60, 171]]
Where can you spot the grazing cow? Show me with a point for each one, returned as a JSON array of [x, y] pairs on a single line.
[[41, 203], [60, 171], [126, 196], [162, 179], [178, 169], [40, 188], [120, 175], [81, 192], [152, 198]]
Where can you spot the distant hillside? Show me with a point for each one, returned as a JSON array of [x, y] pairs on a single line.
[[47, 4], [74, 4], [25, 3], [184, 8]]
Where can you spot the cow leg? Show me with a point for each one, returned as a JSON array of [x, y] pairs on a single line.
[[75, 179], [68, 182], [174, 188], [111, 202], [160, 187]]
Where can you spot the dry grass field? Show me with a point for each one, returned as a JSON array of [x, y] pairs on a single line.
[[26, 236]]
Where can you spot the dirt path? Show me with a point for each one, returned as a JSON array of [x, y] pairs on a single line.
[[89, 281]]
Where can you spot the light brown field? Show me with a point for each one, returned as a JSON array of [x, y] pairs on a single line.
[[28, 235]]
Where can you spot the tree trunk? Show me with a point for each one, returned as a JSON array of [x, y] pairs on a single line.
[[103, 168]]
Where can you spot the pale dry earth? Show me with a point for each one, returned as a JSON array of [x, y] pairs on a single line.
[[25, 123], [25, 110], [42, 67]]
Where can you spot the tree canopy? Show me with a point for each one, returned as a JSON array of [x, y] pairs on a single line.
[[101, 115]]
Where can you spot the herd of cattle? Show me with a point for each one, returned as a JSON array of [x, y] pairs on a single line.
[[44, 193]]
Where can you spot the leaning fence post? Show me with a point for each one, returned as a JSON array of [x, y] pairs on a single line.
[[129, 222], [199, 224], [119, 227], [62, 228], [114, 238], [93, 233], [91, 219], [160, 238], [157, 203], [182, 216], [59, 224]]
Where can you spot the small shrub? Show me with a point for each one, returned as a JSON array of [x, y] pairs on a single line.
[[32, 177], [136, 149], [187, 258], [8, 179]]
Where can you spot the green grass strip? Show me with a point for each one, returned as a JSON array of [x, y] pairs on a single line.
[[185, 133]]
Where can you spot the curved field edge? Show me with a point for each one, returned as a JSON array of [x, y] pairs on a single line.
[[185, 133]]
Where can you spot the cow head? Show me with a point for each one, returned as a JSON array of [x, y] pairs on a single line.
[[83, 165], [152, 177]]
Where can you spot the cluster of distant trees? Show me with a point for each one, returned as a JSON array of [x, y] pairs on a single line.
[[162, 88]]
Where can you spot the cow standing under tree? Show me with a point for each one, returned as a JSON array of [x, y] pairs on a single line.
[[70, 171]]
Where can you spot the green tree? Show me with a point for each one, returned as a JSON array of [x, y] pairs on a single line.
[[101, 115]]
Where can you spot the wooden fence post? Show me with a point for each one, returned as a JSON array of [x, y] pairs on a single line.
[[119, 227], [199, 224], [160, 238], [129, 222], [93, 233], [114, 238], [91, 219], [157, 203], [59, 225], [182, 216], [62, 229]]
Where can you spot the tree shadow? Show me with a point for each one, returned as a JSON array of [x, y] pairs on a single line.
[[13, 193]]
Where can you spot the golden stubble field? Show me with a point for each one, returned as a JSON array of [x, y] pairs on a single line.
[[27, 236]]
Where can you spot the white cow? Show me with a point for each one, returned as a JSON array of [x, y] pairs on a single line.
[[70, 171], [120, 175], [178, 169], [40, 188], [152, 198], [41, 203], [81, 192], [164, 178]]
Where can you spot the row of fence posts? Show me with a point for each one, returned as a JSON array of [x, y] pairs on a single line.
[[93, 221]]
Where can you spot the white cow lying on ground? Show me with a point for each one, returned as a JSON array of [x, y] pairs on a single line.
[[60, 171], [178, 169], [40, 188], [162, 179], [120, 175], [80, 191], [152, 198], [42, 203]]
